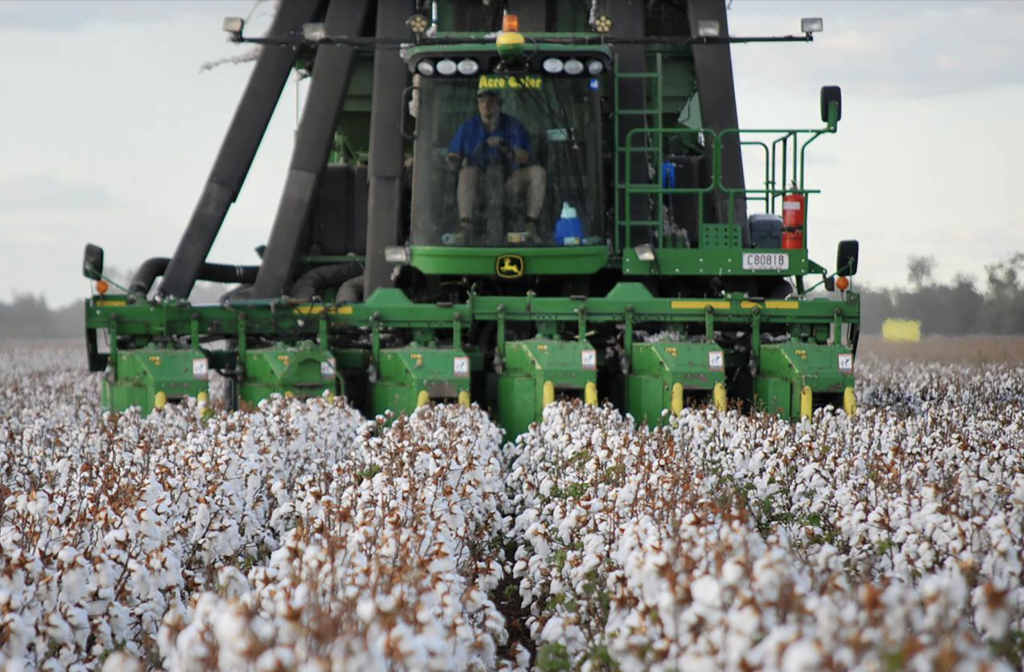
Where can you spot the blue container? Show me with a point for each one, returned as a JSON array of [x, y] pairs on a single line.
[[568, 228]]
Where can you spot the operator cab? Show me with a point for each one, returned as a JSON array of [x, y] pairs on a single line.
[[506, 158]]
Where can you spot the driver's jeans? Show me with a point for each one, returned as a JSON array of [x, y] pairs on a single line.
[[531, 180]]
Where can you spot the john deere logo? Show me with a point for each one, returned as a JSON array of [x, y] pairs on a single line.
[[510, 266]]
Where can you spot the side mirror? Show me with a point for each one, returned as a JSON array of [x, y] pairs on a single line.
[[829, 95], [92, 262], [847, 257], [410, 109]]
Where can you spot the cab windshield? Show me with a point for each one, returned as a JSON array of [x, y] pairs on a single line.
[[506, 160]]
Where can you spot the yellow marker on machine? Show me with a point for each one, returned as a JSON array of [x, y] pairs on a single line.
[[719, 397], [160, 400], [549, 393], [422, 399], [806, 402], [849, 401], [590, 394], [464, 398], [677, 398]]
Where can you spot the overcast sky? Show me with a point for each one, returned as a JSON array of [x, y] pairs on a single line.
[[109, 130]]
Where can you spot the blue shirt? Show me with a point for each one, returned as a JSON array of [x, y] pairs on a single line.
[[471, 140]]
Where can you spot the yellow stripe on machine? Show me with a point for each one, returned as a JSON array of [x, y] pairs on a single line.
[[317, 310], [781, 305], [699, 305], [110, 302]]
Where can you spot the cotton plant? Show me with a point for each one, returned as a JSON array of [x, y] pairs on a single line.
[[299, 535], [110, 521], [391, 565], [770, 545]]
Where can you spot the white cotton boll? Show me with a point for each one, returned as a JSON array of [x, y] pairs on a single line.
[[441, 565], [366, 610], [119, 661], [58, 629], [553, 629], [801, 656], [385, 604], [745, 620], [232, 582], [200, 521], [526, 592], [732, 572], [521, 656], [706, 592], [991, 611], [474, 600], [567, 525], [279, 657]]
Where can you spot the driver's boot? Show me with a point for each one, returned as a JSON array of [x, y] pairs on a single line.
[[460, 236], [526, 235]]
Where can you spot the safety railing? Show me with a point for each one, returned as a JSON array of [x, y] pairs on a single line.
[[785, 160]]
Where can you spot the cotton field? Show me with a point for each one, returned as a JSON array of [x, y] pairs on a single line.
[[302, 536]]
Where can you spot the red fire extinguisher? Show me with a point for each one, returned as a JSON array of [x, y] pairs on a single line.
[[793, 207]]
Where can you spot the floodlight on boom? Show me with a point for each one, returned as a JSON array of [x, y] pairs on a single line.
[[233, 26], [812, 25], [396, 254], [708, 28], [314, 32]]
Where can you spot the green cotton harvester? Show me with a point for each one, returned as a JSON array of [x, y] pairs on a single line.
[[501, 204]]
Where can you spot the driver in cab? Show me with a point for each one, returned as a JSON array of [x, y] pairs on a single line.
[[490, 137]]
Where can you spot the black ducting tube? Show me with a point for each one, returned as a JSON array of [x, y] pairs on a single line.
[[384, 193], [332, 70], [238, 149], [153, 268], [712, 66], [351, 291], [313, 282]]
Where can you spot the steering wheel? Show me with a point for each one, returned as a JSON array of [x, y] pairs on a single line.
[[499, 156]]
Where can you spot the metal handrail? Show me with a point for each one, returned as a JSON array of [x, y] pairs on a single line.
[[774, 187]]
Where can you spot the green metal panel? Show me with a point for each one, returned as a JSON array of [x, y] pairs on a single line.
[[785, 368], [720, 236], [304, 370], [404, 372], [657, 367], [775, 395], [569, 365], [357, 332], [140, 374], [391, 308], [711, 261], [484, 261]]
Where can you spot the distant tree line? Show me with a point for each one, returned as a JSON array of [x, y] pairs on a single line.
[[955, 309], [29, 316]]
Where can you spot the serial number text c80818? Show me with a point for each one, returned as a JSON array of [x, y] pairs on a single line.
[[765, 261]]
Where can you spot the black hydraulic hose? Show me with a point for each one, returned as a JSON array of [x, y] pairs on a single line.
[[314, 281], [153, 268]]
